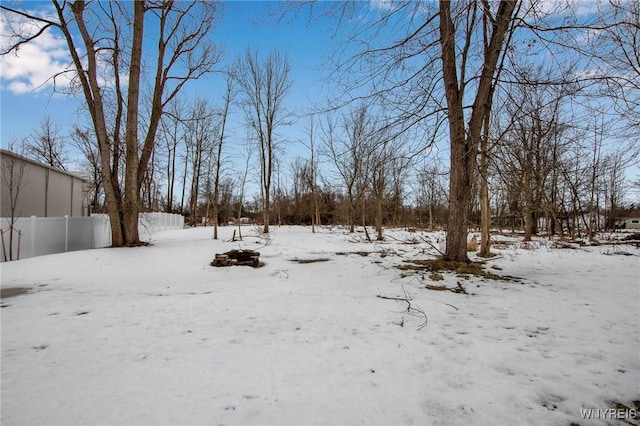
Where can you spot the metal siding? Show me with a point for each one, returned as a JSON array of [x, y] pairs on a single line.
[[59, 196], [26, 178], [45, 191], [79, 201], [31, 200]]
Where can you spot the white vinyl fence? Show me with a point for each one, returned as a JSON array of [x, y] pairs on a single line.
[[37, 236]]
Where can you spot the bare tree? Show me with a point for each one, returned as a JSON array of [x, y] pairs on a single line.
[[350, 148], [241, 182], [614, 185], [47, 146], [298, 170], [388, 161], [199, 141], [172, 133], [110, 46], [381, 160], [456, 67], [14, 181], [84, 142], [533, 115], [264, 85], [614, 43], [224, 113], [431, 191], [311, 172], [442, 60]]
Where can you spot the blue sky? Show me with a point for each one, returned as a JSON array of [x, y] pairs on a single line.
[[24, 103], [242, 24]]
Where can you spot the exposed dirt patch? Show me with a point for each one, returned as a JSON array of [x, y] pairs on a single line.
[[632, 405], [138, 244], [503, 244], [360, 253], [303, 261], [436, 276], [13, 291], [458, 289], [461, 269]]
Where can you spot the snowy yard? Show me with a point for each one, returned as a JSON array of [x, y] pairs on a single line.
[[156, 335]]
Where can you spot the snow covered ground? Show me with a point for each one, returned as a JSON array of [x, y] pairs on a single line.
[[155, 335]]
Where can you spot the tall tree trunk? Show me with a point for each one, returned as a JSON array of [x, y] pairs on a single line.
[[265, 217], [93, 95], [464, 141], [485, 208], [363, 205], [130, 203], [267, 199], [462, 157], [171, 174], [316, 211], [216, 181], [379, 212]]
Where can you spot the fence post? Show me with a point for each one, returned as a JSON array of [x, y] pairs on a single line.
[[32, 237], [66, 233]]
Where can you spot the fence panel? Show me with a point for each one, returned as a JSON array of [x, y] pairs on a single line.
[[79, 233], [37, 236], [101, 227], [49, 236]]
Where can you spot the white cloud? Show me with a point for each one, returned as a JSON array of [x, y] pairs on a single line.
[[382, 4], [32, 67], [17, 87], [552, 7]]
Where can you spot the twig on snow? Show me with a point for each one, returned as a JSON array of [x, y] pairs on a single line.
[[459, 289], [428, 241], [414, 310]]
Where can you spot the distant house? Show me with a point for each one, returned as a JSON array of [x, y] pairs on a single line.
[[242, 221], [33, 189], [630, 223]]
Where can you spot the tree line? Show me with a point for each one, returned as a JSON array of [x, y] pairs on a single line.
[[535, 109]]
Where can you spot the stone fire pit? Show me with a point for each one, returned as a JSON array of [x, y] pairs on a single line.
[[237, 258]]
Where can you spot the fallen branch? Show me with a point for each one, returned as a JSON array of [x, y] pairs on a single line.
[[459, 289], [413, 310], [414, 241], [393, 298], [436, 287], [411, 241], [260, 236], [428, 241]]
